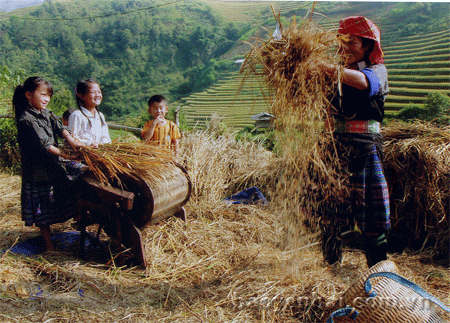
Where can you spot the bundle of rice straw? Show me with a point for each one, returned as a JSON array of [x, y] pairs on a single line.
[[108, 163], [310, 173], [290, 67], [417, 167]]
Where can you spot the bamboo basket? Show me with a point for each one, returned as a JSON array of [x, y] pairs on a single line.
[[381, 295]]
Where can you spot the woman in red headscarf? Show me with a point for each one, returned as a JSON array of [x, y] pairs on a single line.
[[358, 113]]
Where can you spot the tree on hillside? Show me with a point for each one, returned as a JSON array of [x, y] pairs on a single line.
[[9, 148], [436, 108]]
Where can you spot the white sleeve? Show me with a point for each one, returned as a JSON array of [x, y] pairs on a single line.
[[105, 139], [78, 125], [75, 125]]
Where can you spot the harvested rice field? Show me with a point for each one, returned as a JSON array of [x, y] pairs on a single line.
[[227, 263]]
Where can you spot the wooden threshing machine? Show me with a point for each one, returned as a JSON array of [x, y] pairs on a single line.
[[123, 212]]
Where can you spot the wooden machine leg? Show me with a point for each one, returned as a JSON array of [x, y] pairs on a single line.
[[86, 218], [81, 247], [131, 238], [136, 245], [181, 214]]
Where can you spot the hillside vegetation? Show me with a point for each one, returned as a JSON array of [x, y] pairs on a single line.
[[181, 48], [134, 48]]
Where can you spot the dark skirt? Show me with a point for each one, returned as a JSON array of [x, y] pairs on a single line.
[[41, 207], [368, 201], [373, 214], [45, 203]]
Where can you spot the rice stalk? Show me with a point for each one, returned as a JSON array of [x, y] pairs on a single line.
[[138, 160]]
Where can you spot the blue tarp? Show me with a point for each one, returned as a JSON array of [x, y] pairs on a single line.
[[35, 246], [251, 195]]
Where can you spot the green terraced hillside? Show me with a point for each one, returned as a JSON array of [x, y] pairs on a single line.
[[252, 11], [417, 65], [234, 99]]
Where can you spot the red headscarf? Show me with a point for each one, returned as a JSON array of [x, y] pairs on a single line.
[[362, 27]]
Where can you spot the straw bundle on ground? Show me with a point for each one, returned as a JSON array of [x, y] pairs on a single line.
[[219, 166], [417, 166]]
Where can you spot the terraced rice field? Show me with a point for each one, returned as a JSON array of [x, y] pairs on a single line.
[[234, 99], [417, 65], [251, 11]]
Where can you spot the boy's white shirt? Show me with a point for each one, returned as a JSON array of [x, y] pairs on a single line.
[[81, 130]]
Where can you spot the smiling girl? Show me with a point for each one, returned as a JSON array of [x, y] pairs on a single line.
[[87, 123], [47, 193]]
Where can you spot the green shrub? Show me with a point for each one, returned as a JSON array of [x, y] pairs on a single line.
[[264, 136], [437, 104], [9, 148], [411, 112], [436, 108]]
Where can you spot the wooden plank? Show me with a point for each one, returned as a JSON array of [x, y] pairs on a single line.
[[112, 195]]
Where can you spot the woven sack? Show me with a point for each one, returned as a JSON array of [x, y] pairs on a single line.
[[381, 295]]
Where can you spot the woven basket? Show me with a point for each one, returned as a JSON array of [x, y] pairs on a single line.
[[383, 296]]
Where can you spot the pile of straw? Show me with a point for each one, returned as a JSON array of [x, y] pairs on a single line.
[[224, 265], [417, 167], [219, 166]]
